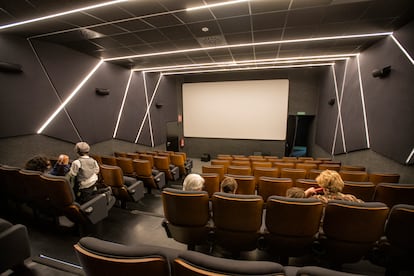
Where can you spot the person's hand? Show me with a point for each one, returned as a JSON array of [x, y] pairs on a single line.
[[63, 159], [312, 191]]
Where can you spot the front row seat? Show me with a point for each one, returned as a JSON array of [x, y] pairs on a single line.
[[14, 244]]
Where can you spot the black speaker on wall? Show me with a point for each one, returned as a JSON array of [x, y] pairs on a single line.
[[8, 67], [102, 91], [381, 73]]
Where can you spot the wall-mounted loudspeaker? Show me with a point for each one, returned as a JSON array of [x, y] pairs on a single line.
[[381, 73], [158, 105], [8, 67], [331, 101], [102, 91]]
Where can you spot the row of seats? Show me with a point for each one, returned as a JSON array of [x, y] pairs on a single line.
[[100, 257], [290, 170], [265, 186], [288, 226], [51, 195]]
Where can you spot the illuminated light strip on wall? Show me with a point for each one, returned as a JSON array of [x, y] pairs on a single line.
[[70, 97], [363, 102], [227, 63], [409, 157], [122, 105], [339, 117], [249, 44], [60, 14], [148, 107], [234, 64], [247, 68], [216, 5], [402, 49], [340, 103]]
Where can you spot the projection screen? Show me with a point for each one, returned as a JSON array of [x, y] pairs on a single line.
[[254, 109]]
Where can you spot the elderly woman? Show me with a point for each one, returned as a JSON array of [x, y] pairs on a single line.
[[193, 182], [331, 185]]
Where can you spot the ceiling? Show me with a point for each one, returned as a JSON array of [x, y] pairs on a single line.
[[146, 30]]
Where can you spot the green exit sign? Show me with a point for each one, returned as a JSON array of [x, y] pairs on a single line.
[[301, 113]]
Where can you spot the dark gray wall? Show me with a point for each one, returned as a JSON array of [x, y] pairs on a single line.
[[388, 102]]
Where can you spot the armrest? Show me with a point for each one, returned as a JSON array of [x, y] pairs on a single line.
[[160, 180], [136, 190], [15, 245], [96, 208]]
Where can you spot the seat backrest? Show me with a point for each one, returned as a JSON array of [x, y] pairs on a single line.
[[112, 176], [162, 163], [126, 166], [120, 154], [400, 227], [211, 183], [218, 169], [198, 264], [269, 186], [8, 178], [142, 167], [264, 171], [260, 164], [186, 208], [99, 257], [148, 157], [238, 213], [293, 217], [96, 157], [350, 229], [246, 184], [133, 155], [245, 163], [362, 190], [56, 192], [239, 170], [179, 161], [306, 183], [313, 174], [223, 162], [29, 186], [354, 176], [293, 174], [281, 165], [352, 168], [329, 166], [108, 160], [377, 178], [307, 167], [394, 193]]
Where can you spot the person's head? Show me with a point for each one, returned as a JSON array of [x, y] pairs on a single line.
[[193, 182], [38, 163], [228, 185], [330, 181], [295, 192], [63, 159], [82, 148]]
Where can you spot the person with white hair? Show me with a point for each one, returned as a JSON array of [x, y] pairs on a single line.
[[84, 173], [193, 182]]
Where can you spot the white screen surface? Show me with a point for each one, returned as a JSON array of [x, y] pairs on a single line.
[[236, 109]]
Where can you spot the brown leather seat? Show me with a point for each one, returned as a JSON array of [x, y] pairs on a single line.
[[108, 160], [350, 229], [246, 184], [126, 166], [293, 174], [307, 167], [329, 166], [306, 183], [362, 190], [186, 216], [99, 257], [354, 176], [282, 165], [394, 193], [123, 188], [243, 163], [179, 161], [152, 179], [352, 168], [377, 178], [291, 225], [239, 170], [269, 186], [237, 220], [264, 171], [218, 169], [211, 183], [163, 164], [223, 162]]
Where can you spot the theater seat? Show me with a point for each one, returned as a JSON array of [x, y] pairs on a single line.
[[394, 193], [14, 244], [199, 264], [376, 177], [124, 188], [153, 179], [163, 164], [187, 216], [99, 257], [237, 220], [350, 229]]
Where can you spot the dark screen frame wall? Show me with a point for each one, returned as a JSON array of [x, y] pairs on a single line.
[[303, 97]]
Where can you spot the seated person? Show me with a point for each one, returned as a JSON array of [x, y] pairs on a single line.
[[228, 185], [61, 167], [295, 192], [38, 163], [193, 182]]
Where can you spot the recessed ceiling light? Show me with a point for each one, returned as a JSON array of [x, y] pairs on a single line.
[[215, 5], [205, 29]]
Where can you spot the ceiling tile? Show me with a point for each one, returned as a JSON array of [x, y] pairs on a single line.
[[267, 21], [235, 24]]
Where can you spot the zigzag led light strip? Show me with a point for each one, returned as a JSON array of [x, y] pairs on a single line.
[[122, 105], [339, 122], [363, 103], [148, 107], [74, 92]]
